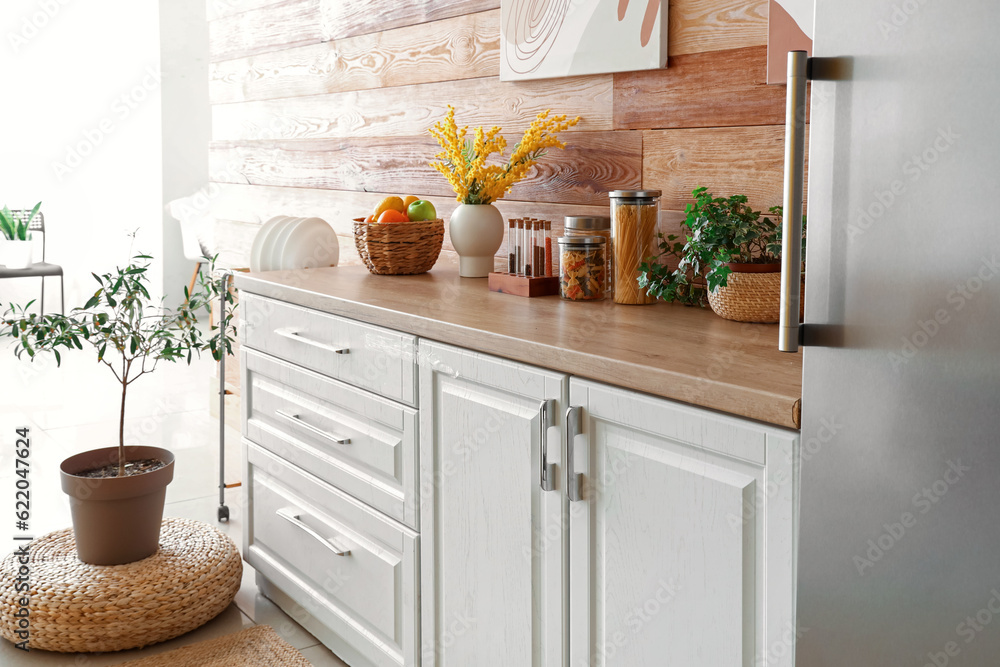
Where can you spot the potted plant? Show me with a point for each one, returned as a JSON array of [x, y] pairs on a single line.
[[117, 493], [16, 250], [476, 227], [731, 259]]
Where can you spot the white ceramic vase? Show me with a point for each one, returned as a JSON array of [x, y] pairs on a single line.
[[476, 232], [16, 254]]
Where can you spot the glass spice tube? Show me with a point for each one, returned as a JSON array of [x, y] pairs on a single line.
[[633, 228], [548, 248], [536, 241], [511, 263], [518, 248]]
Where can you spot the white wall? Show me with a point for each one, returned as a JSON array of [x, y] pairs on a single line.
[[187, 126], [80, 131]]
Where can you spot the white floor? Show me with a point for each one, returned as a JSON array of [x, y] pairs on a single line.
[[74, 408]]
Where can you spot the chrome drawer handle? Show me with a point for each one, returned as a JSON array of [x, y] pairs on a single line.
[[573, 478], [290, 515], [298, 421], [295, 335], [547, 471]]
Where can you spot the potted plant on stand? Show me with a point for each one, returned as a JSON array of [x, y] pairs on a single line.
[[15, 253], [117, 493], [731, 259], [476, 227]]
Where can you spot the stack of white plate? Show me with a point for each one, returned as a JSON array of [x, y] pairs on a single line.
[[285, 243]]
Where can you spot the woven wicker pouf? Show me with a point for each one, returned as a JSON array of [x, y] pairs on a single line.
[[79, 608]]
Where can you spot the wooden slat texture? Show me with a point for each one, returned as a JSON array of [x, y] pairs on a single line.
[[301, 22], [217, 9], [712, 25], [463, 47], [716, 89], [411, 110], [736, 160], [591, 164]]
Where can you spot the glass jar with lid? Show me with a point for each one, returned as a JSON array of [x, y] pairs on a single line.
[[634, 216], [593, 225], [583, 267]]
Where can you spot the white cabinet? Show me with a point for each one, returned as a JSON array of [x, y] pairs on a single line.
[[491, 540], [682, 539]]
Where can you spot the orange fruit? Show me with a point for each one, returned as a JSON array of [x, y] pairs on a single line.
[[392, 215], [409, 199], [389, 204], [370, 218]]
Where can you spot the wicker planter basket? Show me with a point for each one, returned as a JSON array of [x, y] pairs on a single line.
[[399, 248], [751, 296]]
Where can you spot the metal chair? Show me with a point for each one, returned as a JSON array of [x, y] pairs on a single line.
[[38, 269]]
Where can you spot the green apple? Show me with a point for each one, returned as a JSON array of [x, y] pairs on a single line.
[[421, 210]]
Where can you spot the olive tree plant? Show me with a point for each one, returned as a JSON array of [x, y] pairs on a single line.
[[129, 332]]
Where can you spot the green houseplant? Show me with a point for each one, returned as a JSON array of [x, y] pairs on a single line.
[[130, 335], [731, 257], [16, 250]]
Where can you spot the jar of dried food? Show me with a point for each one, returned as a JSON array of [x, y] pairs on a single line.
[[594, 225], [583, 267], [633, 228]]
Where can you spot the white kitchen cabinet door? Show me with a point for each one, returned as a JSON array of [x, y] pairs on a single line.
[[492, 540], [682, 542]]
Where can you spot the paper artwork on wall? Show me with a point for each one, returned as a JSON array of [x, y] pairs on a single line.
[[550, 38], [789, 28]]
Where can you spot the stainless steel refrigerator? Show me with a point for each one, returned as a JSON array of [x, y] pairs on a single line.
[[899, 539]]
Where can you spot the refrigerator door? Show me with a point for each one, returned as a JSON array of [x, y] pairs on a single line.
[[899, 543]]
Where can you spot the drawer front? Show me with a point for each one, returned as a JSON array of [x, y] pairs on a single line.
[[348, 566], [360, 354], [354, 440]]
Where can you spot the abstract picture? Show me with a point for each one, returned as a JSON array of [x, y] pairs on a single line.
[[789, 28], [549, 38]]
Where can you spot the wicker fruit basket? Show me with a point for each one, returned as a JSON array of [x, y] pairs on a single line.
[[399, 248], [751, 296]]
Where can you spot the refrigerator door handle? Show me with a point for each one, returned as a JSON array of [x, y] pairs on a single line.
[[791, 223]]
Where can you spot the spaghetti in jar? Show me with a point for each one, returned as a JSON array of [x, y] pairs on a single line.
[[633, 227]]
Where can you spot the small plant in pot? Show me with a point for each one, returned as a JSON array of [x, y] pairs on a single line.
[[117, 493], [16, 250], [731, 259]]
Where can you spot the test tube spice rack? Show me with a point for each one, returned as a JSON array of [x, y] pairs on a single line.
[[530, 258]]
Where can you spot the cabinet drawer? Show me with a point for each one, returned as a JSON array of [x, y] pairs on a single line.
[[360, 354], [358, 442], [351, 568]]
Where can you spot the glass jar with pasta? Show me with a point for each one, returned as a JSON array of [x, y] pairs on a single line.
[[583, 267], [633, 227]]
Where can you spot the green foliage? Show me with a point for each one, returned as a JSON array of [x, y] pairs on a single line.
[[12, 229], [120, 322], [722, 230]]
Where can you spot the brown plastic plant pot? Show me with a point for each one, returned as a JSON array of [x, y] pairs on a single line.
[[116, 520]]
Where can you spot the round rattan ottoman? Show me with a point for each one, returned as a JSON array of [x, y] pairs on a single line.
[[79, 608]]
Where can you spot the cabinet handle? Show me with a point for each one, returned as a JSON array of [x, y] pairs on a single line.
[[291, 516], [295, 335], [547, 471], [791, 223], [573, 479], [298, 421]]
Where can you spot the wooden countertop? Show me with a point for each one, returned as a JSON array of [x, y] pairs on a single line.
[[681, 353]]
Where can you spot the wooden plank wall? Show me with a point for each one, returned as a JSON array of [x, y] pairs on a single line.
[[320, 107]]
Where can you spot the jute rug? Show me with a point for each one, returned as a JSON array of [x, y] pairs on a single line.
[[259, 646]]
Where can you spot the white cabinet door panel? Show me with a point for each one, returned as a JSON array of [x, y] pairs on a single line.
[[491, 538], [671, 544]]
